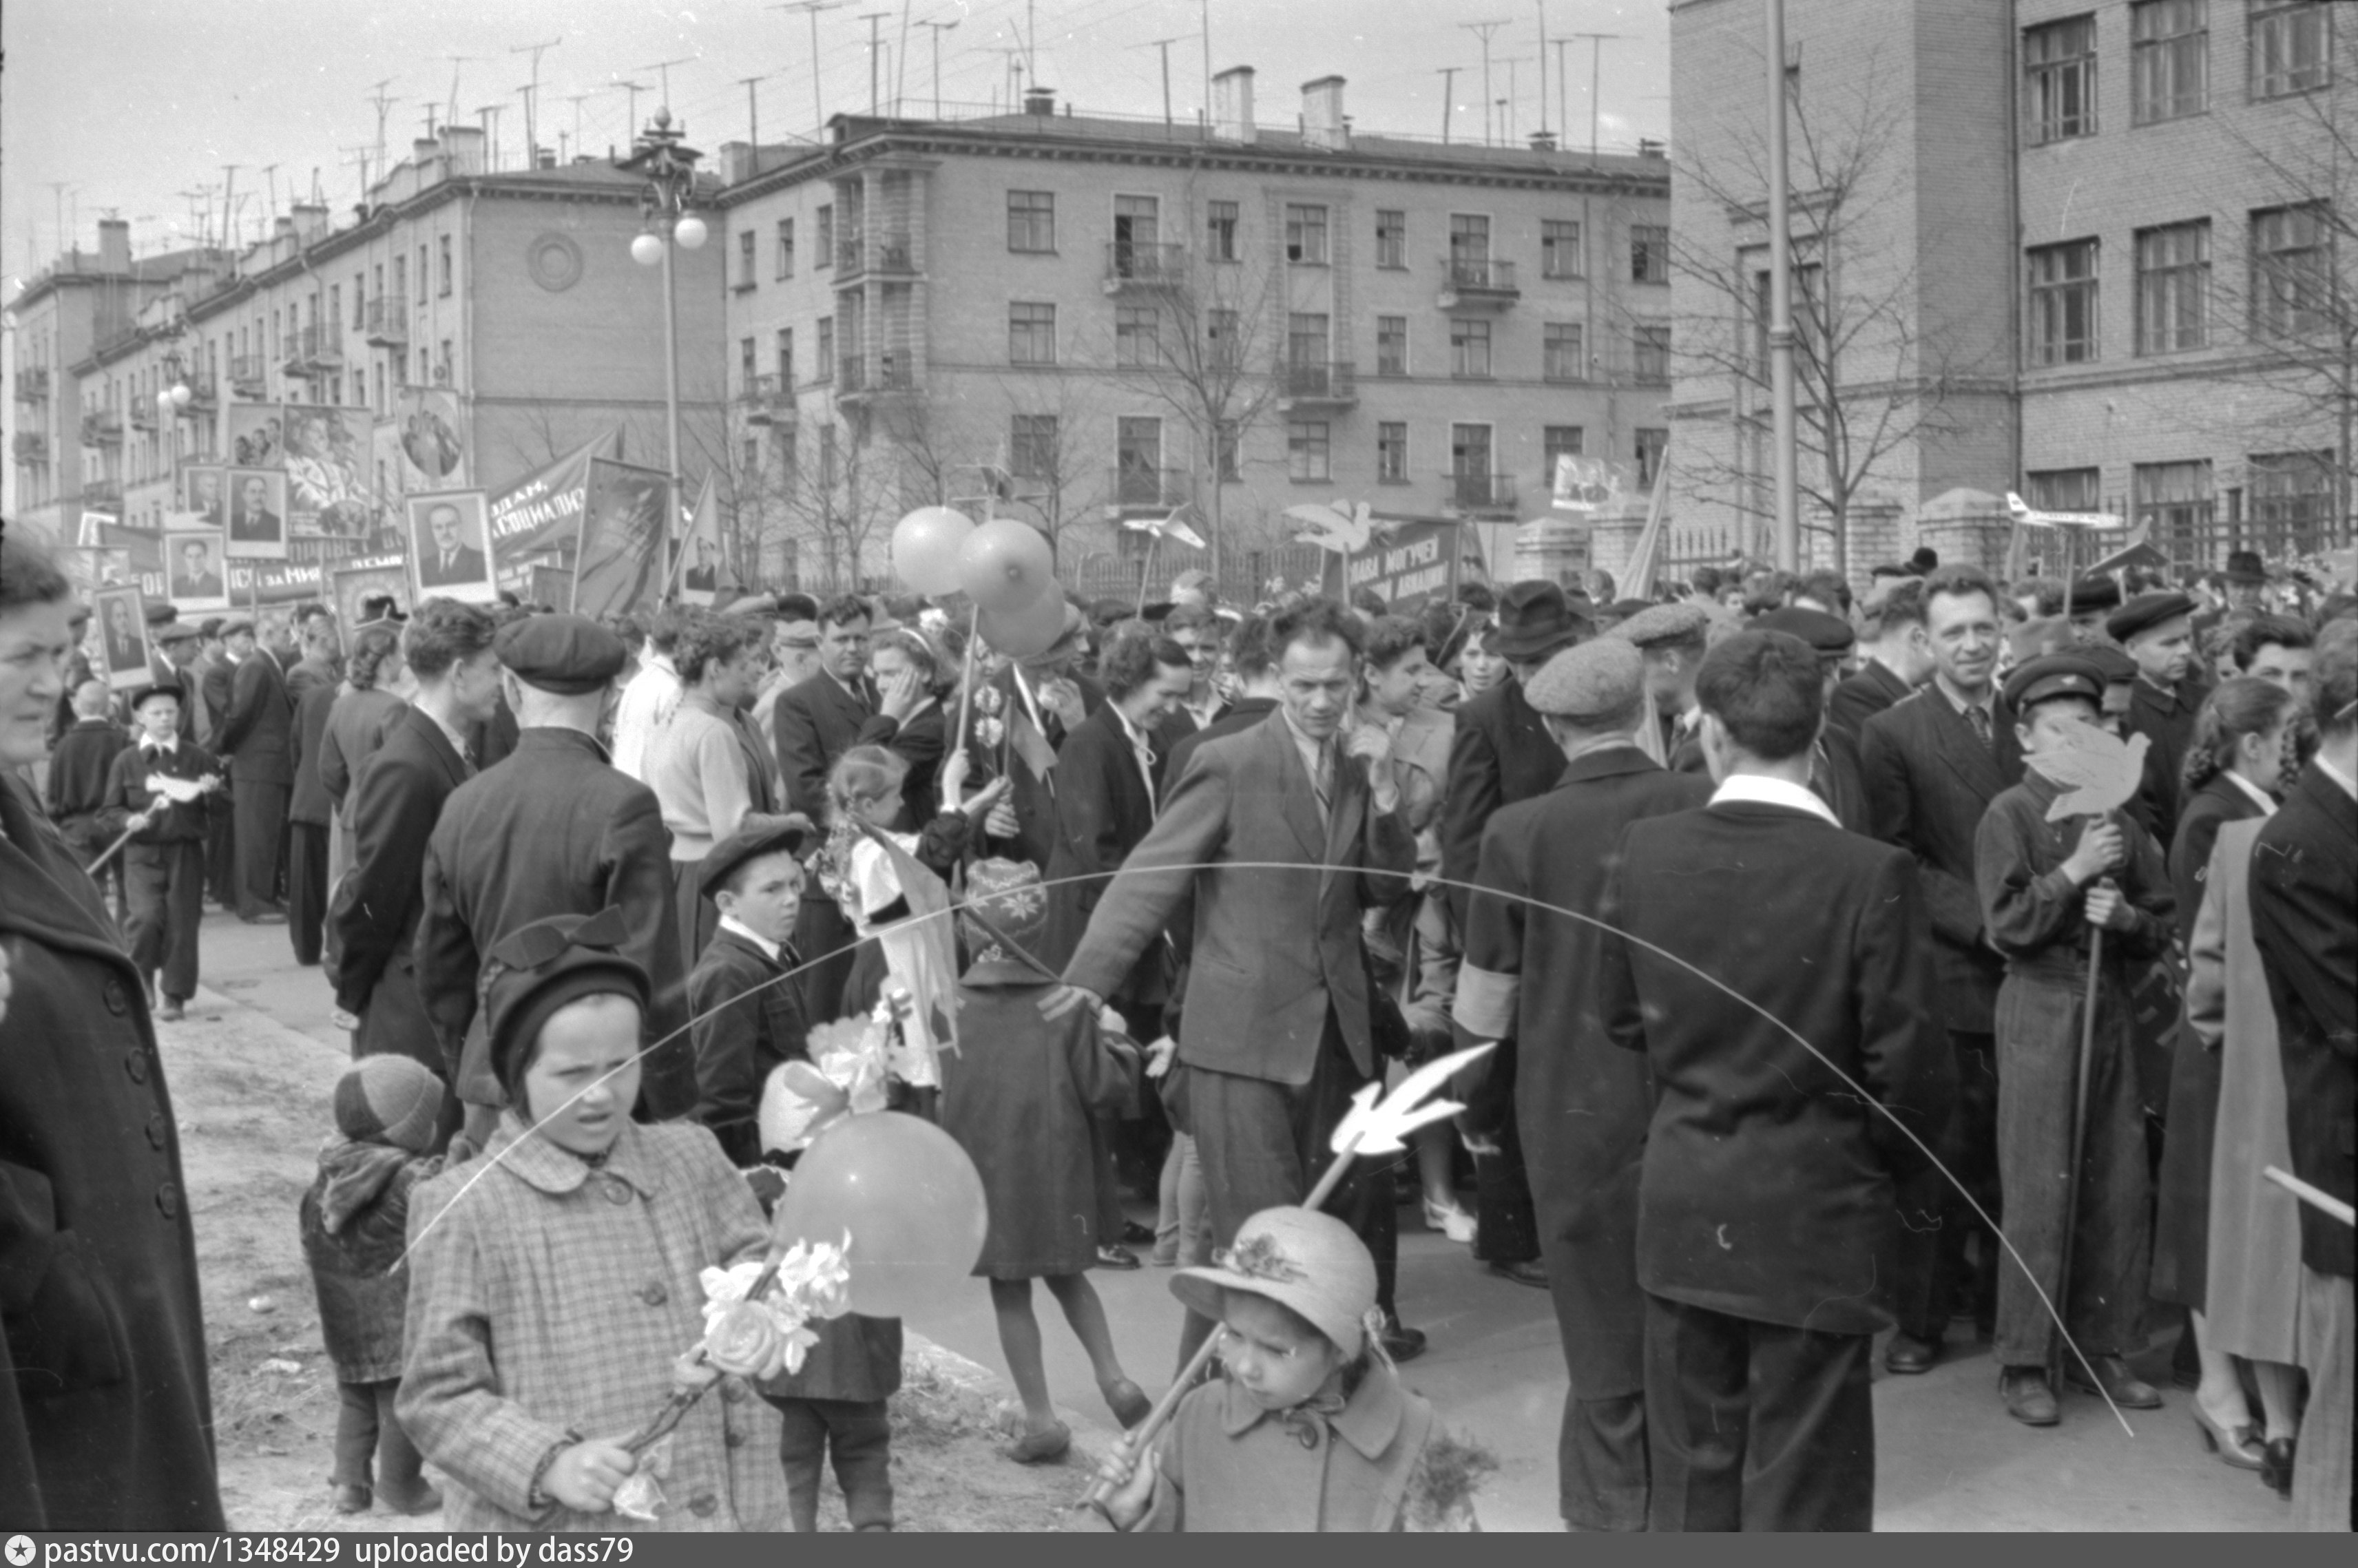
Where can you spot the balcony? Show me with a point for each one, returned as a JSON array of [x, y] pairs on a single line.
[[767, 400], [1480, 495], [1333, 383], [858, 253], [142, 415], [203, 391], [316, 351], [102, 429], [103, 495], [385, 324], [1138, 488], [1478, 283], [1132, 264], [32, 386], [246, 376], [855, 377], [31, 447]]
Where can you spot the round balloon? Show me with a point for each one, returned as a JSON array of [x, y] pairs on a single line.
[[1021, 633], [925, 548], [1005, 565], [911, 1200]]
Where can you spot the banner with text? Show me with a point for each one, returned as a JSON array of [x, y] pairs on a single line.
[[1409, 562], [539, 516]]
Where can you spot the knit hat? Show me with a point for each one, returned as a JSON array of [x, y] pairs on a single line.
[[1309, 1262], [389, 1100], [1008, 894], [540, 967], [1599, 679]]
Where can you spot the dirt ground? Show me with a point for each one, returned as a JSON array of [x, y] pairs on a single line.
[[252, 1099]]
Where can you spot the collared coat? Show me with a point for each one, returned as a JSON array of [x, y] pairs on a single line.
[[553, 830], [1273, 950], [1105, 805], [357, 725], [105, 1410], [256, 734], [1583, 1105], [1032, 794], [1767, 1187], [79, 768], [1874, 688], [2167, 718], [1929, 780], [1501, 753], [310, 801], [817, 721], [546, 1304], [748, 1020]]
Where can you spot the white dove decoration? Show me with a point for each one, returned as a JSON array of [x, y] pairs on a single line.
[[1343, 527], [2097, 770]]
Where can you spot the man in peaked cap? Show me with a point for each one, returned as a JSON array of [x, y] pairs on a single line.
[[1836, 774], [1582, 1103], [553, 829], [2156, 630]]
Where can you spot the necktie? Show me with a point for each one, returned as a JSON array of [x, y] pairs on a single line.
[[1978, 717], [1322, 779]]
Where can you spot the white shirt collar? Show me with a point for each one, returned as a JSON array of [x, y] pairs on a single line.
[[2349, 788], [456, 737], [167, 745], [731, 922], [1759, 789], [2260, 797]]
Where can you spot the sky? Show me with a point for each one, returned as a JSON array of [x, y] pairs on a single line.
[[133, 106]]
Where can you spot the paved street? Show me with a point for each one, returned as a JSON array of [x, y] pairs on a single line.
[[1949, 1459]]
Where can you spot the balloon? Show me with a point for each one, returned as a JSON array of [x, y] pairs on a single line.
[[911, 1199], [1005, 565], [1021, 633], [925, 548]]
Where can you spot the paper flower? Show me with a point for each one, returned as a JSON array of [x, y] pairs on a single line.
[[987, 699], [989, 729]]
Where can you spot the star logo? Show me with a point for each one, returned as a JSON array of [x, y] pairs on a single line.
[[20, 1550]]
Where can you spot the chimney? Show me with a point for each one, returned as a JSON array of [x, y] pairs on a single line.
[[1040, 100], [464, 144], [311, 220], [1322, 124], [1542, 141], [113, 246], [285, 228], [547, 157], [1232, 105], [423, 149]]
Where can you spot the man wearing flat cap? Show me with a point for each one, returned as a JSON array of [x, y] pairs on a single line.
[[1582, 1104], [1836, 776], [1673, 638], [553, 829], [2156, 630], [2088, 602]]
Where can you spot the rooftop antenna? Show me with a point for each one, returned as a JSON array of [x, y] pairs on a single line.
[[531, 149], [900, 61], [383, 105], [1165, 45], [1448, 74], [229, 210], [490, 116], [575, 99], [1562, 119], [752, 109], [531, 128], [631, 124], [818, 111], [663, 69], [1540, 5], [939, 29], [1514, 100], [875, 20], [270, 172], [1596, 42], [450, 115], [1484, 30], [359, 157], [57, 189]]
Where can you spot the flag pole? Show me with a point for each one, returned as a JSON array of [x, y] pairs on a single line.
[[966, 684], [1146, 570]]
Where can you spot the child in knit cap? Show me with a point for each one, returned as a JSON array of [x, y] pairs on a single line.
[[354, 1221]]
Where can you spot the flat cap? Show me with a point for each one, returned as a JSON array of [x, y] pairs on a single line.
[[567, 654], [211, 626], [159, 613], [1659, 625], [2094, 593], [760, 835], [2144, 612], [233, 624], [174, 632], [1830, 635], [2057, 675], [1597, 679]]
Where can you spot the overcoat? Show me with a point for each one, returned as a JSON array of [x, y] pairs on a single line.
[[310, 801], [1501, 753], [2167, 718], [1105, 805], [1874, 688], [256, 733], [106, 1411], [357, 725]]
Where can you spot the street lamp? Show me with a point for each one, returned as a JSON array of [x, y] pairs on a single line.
[[666, 222], [170, 399]]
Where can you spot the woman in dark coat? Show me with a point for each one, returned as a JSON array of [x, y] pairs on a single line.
[[106, 1422]]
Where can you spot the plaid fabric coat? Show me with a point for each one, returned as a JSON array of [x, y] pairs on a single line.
[[547, 1302]]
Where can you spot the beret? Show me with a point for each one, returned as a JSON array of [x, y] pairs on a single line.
[[2057, 675], [1591, 679], [142, 692], [174, 632], [1665, 623], [233, 624], [539, 968], [567, 654], [1829, 635], [2144, 612], [2116, 667], [159, 613], [760, 835], [2094, 593]]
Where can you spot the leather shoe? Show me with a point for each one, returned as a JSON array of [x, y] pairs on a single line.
[[1135, 1234], [2125, 1387], [1523, 1271], [2027, 1397], [1039, 1447], [1117, 1257], [353, 1499], [1128, 1401], [1402, 1343], [423, 1499], [2276, 1465], [1908, 1355], [172, 1012]]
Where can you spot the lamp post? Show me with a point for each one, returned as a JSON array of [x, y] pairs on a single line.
[[669, 166], [171, 399]]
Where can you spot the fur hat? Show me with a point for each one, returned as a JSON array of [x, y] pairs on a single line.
[[389, 1100]]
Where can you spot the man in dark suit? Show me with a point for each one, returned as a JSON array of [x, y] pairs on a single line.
[[1274, 1035], [1502, 753], [76, 793], [554, 829], [253, 520], [2305, 921], [194, 577], [1673, 637], [2156, 630], [1835, 770], [1583, 1104], [215, 672], [396, 800], [255, 734], [1899, 659], [444, 558], [1789, 1048], [1933, 762]]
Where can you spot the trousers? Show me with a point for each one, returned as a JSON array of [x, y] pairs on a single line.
[[1936, 1279], [2321, 1496], [165, 884], [1756, 1426], [828, 943], [1183, 1226], [261, 812], [307, 888], [859, 1436], [221, 850], [365, 1430]]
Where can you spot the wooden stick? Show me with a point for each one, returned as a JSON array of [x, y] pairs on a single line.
[[965, 683], [1153, 543], [2315, 1197]]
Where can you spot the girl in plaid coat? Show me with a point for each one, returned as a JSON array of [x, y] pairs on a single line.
[[554, 1289]]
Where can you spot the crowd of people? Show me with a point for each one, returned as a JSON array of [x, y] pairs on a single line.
[[1820, 1014]]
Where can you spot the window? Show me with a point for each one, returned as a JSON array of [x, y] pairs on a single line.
[[1651, 445], [1391, 453], [421, 275], [2173, 505], [2063, 304], [825, 369], [1136, 236], [378, 401], [825, 223], [1469, 348], [444, 275], [826, 441], [1560, 356], [749, 458], [1224, 451], [1559, 249], [745, 242], [2064, 490], [1306, 456], [1308, 339], [785, 247], [2289, 48], [401, 277], [1134, 336], [2173, 282], [2169, 59], [1030, 220], [1556, 443], [1392, 238], [1305, 234], [2058, 79], [1223, 235], [2291, 501], [1225, 330], [1650, 353], [2291, 284], [1031, 334], [1032, 446], [424, 376], [335, 304], [1138, 461], [446, 368], [1649, 252], [1469, 250], [1392, 345]]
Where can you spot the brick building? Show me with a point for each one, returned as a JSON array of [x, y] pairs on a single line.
[[2079, 250]]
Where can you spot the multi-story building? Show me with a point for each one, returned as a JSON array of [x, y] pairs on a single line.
[[2081, 251], [1129, 317]]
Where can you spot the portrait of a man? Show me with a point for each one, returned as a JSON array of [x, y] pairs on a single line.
[[204, 495], [703, 574], [196, 568], [120, 615], [257, 512], [447, 546]]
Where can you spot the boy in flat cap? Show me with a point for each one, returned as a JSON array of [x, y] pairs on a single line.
[[164, 864], [2046, 886], [2157, 632]]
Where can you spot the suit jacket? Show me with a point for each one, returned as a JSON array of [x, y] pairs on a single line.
[[817, 721], [2219, 802], [2305, 918], [1928, 783], [1767, 1191], [1273, 950], [217, 677], [1861, 696], [554, 829], [207, 586], [358, 722], [922, 742], [309, 672], [256, 733], [1103, 807], [396, 800], [1502, 753], [747, 1021], [1839, 777], [466, 566], [311, 802], [263, 526], [1582, 1105], [127, 794], [1240, 716], [2167, 718], [78, 773]]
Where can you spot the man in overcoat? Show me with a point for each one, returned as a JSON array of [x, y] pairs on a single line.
[[1899, 659], [2157, 632], [255, 736], [1583, 1104]]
